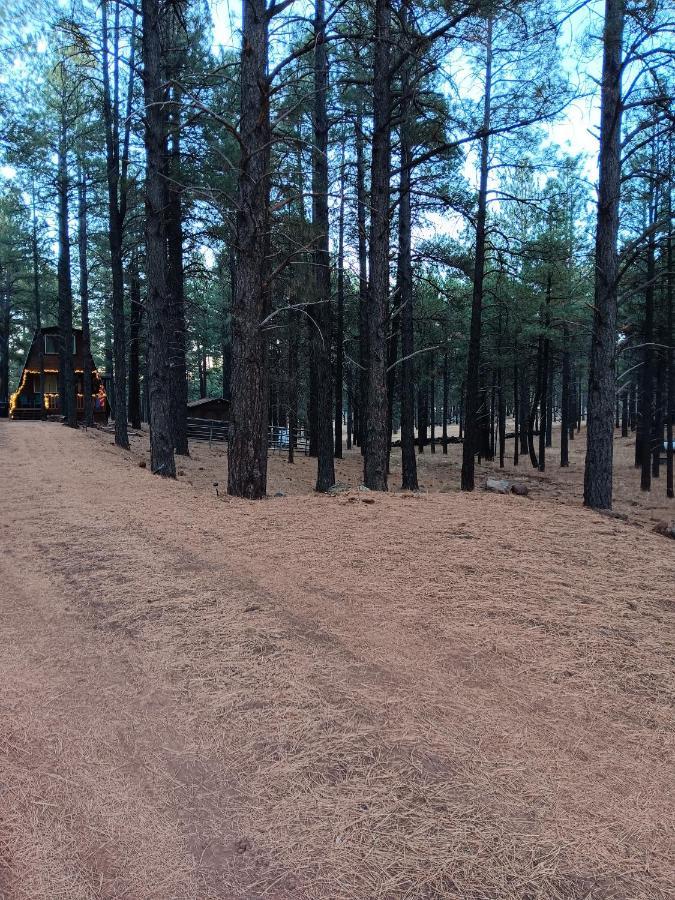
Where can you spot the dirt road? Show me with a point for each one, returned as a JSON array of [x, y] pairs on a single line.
[[420, 697]]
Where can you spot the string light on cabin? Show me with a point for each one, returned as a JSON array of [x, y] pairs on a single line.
[[99, 396], [15, 396]]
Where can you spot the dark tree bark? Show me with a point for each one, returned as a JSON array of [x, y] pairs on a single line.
[[517, 425], [292, 385], [176, 281], [670, 337], [247, 448], [565, 402], [446, 398], [339, 332], [158, 301], [524, 399], [473, 359], [108, 352], [377, 443], [227, 326], [134, 343], [325, 475], [116, 168], [432, 404], [65, 287], [573, 404], [350, 408], [5, 325], [37, 304], [87, 361], [535, 405], [545, 379], [422, 415], [624, 413], [647, 371], [406, 298], [361, 206], [501, 417], [392, 351], [601, 378], [312, 388], [657, 432], [549, 397]]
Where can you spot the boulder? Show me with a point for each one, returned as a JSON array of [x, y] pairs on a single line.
[[338, 488], [667, 529], [498, 485], [520, 489]]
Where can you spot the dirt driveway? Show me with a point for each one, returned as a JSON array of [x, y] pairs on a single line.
[[420, 697]]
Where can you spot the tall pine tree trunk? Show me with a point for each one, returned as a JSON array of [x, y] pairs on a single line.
[[406, 298], [116, 216], [377, 435], [670, 337], [339, 333], [176, 284], [65, 286], [361, 205], [471, 433], [37, 305], [545, 381], [134, 343], [647, 371], [325, 475], [87, 361], [446, 397], [5, 325], [565, 402], [517, 424], [158, 301], [601, 378], [247, 449]]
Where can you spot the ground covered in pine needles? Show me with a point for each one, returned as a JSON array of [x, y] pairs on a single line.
[[423, 696]]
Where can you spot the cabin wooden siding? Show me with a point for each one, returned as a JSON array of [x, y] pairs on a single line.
[[27, 402]]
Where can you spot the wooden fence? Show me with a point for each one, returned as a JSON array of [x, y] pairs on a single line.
[[215, 431]]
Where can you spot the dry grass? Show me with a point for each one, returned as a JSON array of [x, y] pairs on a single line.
[[430, 696]]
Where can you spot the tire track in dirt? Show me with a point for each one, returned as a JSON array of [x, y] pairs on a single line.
[[315, 698]]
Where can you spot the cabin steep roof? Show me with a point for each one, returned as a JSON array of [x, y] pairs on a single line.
[[205, 401], [51, 360]]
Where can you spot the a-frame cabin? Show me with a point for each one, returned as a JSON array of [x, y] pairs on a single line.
[[28, 403]]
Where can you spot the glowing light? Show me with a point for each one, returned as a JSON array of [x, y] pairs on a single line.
[[15, 396], [51, 400]]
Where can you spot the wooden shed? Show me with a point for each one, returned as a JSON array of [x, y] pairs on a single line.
[[28, 403], [214, 408]]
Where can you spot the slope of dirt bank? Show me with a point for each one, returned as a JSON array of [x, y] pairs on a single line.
[[438, 696], [436, 472]]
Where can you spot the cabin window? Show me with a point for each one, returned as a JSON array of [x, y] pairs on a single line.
[[51, 383], [52, 343]]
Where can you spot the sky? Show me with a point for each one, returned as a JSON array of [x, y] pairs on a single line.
[[575, 133]]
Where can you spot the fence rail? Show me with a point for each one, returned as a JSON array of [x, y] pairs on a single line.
[[215, 431]]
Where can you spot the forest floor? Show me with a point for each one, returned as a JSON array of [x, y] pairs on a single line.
[[319, 698]]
